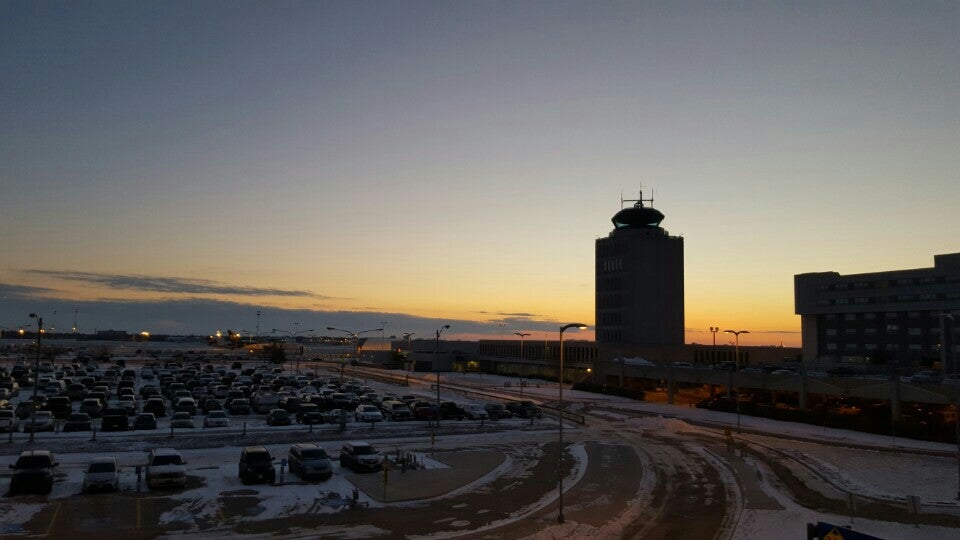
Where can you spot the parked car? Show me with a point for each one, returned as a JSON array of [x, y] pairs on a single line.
[[497, 410], [424, 410], [450, 410], [333, 416], [145, 421], [187, 405], [309, 413], [256, 464], [40, 421], [396, 411], [77, 422], [103, 473], [156, 406], [181, 420], [165, 467], [239, 406], [368, 413], [525, 409], [114, 419], [216, 419], [60, 406], [8, 421], [278, 417], [33, 472], [360, 457], [475, 412], [307, 460], [91, 406]]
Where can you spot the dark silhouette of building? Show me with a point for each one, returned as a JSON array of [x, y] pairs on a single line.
[[639, 281], [881, 317]]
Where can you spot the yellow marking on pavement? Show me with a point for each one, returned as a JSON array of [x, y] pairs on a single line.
[[53, 519]]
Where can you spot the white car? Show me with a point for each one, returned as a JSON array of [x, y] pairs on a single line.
[[368, 413], [102, 473], [476, 412], [216, 419], [165, 467]]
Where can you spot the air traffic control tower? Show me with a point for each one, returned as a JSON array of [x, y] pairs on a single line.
[[639, 281]]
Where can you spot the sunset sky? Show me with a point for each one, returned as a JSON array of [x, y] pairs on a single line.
[[175, 166]]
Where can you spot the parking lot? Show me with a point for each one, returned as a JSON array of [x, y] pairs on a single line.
[[424, 458]]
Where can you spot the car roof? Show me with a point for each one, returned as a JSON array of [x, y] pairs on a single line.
[[255, 449], [27, 453], [165, 451], [105, 459]]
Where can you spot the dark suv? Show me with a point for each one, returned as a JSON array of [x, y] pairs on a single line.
[[360, 457], [256, 464], [525, 409], [450, 410], [33, 472], [308, 460]]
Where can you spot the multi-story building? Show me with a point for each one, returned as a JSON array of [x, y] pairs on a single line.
[[639, 281], [896, 317]]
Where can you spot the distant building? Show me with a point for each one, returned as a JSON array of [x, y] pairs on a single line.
[[881, 317], [639, 281]]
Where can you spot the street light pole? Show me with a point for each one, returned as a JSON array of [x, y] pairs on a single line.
[[522, 335], [714, 330], [436, 365], [356, 343], [411, 365], [736, 334], [36, 376], [293, 336], [563, 329]]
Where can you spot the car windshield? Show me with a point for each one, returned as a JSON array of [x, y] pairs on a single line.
[[167, 460], [101, 467], [217, 414], [315, 453], [364, 450], [259, 457], [33, 462], [280, 413]]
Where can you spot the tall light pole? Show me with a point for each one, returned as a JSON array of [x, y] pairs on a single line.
[[410, 363], [76, 320], [36, 375], [258, 325], [563, 329], [436, 365], [293, 336], [736, 334], [522, 335], [383, 324], [501, 325], [713, 353], [356, 343]]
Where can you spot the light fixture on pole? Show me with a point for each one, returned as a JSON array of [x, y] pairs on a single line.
[[736, 334], [356, 343], [436, 365], [563, 329]]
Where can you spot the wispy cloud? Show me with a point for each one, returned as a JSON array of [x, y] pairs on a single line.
[[8, 290], [502, 314], [170, 284]]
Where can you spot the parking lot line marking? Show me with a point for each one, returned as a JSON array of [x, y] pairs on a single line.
[[56, 512]]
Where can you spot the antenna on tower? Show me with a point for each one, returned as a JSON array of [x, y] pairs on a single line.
[[638, 203]]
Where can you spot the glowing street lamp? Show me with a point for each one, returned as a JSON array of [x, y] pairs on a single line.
[[563, 329]]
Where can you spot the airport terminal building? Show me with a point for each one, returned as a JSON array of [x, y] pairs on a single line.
[[902, 317]]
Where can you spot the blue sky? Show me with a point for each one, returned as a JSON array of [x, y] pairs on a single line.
[[455, 160]]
